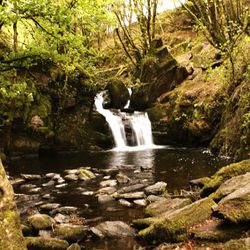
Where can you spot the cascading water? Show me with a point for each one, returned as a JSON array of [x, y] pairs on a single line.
[[138, 122]]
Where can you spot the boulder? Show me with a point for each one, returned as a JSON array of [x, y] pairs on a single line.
[[113, 229], [174, 225], [118, 93], [166, 205], [10, 228], [39, 243], [40, 221], [157, 188], [85, 174], [71, 233], [241, 244], [235, 207], [224, 174]]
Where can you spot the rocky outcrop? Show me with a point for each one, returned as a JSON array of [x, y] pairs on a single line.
[[10, 228]]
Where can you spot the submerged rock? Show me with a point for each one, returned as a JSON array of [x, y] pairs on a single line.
[[113, 229], [39, 243], [40, 221]]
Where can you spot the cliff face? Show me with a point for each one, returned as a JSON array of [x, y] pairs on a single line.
[[10, 230]]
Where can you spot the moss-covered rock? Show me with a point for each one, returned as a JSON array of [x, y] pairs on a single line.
[[71, 233], [85, 174], [39, 243], [40, 221], [224, 174], [241, 244], [10, 228], [174, 225]]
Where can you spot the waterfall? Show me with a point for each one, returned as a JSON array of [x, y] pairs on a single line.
[[138, 123]]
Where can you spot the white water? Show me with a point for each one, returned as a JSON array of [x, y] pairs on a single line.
[[128, 103], [138, 121]]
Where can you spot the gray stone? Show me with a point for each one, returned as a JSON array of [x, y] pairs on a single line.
[[61, 218], [113, 229], [135, 195], [30, 177], [35, 190], [153, 198], [88, 193], [44, 233], [27, 186], [17, 181], [157, 188], [125, 203], [108, 183], [106, 190], [104, 198], [56, 177], [60, 180], [65, 210], [50, 175], [61, 185], [122, 178], [49, 206], [48, 184], [72, 171], [131, 188], [71, 177], [141, 202]]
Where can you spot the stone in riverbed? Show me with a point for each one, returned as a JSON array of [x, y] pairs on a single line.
[[31, 177], [106, 190], [39, 243], [125, 203], [40, 221], [235, 207], [85, 174], [61, 218], [199, 182], [74, 246], [71, 233], [71, 177], [157, 188], [27, 186], [135, 195], [153, 198], [45, 233], [166, 205], [72, 171], [108, 183], [48, 184], [50, 175], [113, 229], [65, 210], [49, 206], [17, 181], [104, 198], [35, 190], [141, 202], [122, 178], [131, 188], [241, 244]]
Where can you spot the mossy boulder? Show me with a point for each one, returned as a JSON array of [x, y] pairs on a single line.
[[224, 174], [10, 228], [40, 221], [71, 233], [118, 93], [174, 225], [241, 244], [166, 205], [85, 174], [40, 243], [235, 207]]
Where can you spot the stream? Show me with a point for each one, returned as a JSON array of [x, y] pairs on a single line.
[[175, 166]]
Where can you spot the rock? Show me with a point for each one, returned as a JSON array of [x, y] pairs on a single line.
[[122, 178], [118, 93], [48, 184], [27, 186], [235, 207], [108, 183], [31, 177], [50, 175], [61, 218], [104, 198], [44, 233], [106, 190], [85, 174], [224, 174], [10, 228], [141, 202], [74, 246], [71, 233], [125, 203], [217, 230], [49, 206], [107, 177], [241, 244], [60, 180], [199, 182], [61, 185], [131, 188], [17, 181], [166, 205], [39, 243], [46, 196], [35, 190], [231, 185], [65, 210], [88, 193], [71, 177], [56, 177], [72, 171], [174, 225], [40, 221], [157, 188], [27, 230], [135, 195], [113, 229], [111, 171], [153, 198]]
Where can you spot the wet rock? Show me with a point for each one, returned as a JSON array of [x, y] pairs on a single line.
[[106, 190], [74, 246], [61, 218], [35, 190], [108, 183], [57, 176], [50, 175], [231, 185], [61, 185], [125, 203], [88, 193], [40, 221], [241, 244], [174, 225], [48, 184], [27, 186], [141, 202], [85, 174], [17, 181], [235, 207], [65, 210], [44, 233], [31, 177], [135, 195], [113, 229], [39, 243], [71, 233], [49, 206], [122, 178], [132, 188], [217, 230], [46, 196], [113, 171], [72, 171], [153, 198], [199, 182], [157, 188], [71, 177], [166, 205], [107, 177], [104, 198], [60, 180]]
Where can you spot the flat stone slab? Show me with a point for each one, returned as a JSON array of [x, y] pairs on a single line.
[[135, 195]]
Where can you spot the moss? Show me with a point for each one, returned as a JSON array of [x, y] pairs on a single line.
[[70, 233], [241, 244], [224, 174], [40, 221], [39, 243]]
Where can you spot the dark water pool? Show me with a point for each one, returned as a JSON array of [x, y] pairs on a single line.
[[176, 166]]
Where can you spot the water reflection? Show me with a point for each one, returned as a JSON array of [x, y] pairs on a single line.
[[145, 158]]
